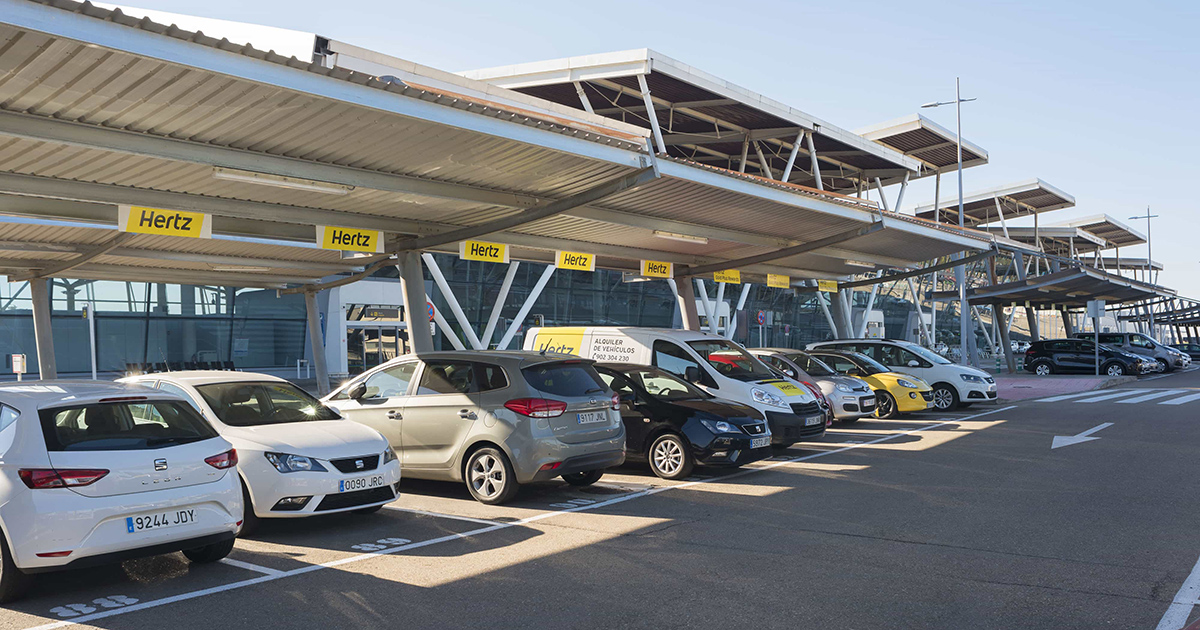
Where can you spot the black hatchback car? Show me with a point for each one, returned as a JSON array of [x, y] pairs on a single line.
[[675, 425], [1055, 356], [1188, 348]]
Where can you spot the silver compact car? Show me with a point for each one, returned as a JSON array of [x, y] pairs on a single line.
[[492, 419], [850, 397]]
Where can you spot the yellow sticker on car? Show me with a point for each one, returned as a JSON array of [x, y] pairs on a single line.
[[788, 389]]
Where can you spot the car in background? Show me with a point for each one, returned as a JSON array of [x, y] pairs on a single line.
[[1168, 358], [1067, 356], [953, 385], [98, 472], [675, 425], [1188, 348], [493, 420], [298, 457], [1019, 346], [895, 393], [848, 397]]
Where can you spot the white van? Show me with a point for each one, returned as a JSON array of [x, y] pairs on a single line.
[[721, 367]]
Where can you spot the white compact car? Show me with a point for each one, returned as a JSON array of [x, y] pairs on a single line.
[[297, 457], [92, 473], [953, 385]]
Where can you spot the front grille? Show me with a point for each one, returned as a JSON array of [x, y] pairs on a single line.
[[754, 429], [358, 497], [928, 396], [351, 464], [806, 409]]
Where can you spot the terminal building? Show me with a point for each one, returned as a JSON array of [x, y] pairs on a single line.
[[272, 140]]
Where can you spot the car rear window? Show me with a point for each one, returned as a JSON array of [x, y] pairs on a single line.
[[123, 426], [564, 379]]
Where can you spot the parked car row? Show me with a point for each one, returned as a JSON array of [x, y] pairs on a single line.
[[1118, 354]]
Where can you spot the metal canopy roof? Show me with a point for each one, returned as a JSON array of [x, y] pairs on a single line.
[[1016, 200], [919, 137], [100, 109], [1129, 264], [1070, 289], [1057, 240], [1115, 232], [704, 118]]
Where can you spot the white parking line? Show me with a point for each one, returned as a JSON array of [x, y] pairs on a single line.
[[1181, 605], [441, 515], [1149, 397], [249, 566], [483, 530]]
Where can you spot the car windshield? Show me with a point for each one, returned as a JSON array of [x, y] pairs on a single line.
[[927, 354], [124, 426], [728, 359], [664, 385], [812, 365], [251, 404], [865, 363]]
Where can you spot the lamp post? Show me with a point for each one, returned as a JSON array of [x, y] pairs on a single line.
[[960, 272], [1149, 259]]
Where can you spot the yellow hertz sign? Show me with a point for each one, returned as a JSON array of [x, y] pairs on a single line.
[[169, 222], [560, 340], [479, 250], [731, 276], [828, 286], [656, 269], [575, 261], [787, 388], [349, 239], [778, 281]]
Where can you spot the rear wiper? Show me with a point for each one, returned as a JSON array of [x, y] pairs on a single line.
[[594, 390], [169, 440]]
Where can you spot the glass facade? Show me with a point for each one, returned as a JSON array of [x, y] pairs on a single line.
[[144, 322]]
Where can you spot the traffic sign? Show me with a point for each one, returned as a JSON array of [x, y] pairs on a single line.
[[762, 317], [431, 311]]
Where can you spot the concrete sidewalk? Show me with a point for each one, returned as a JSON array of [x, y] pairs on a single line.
[[1024, 386]]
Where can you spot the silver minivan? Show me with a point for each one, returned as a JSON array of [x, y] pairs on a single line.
[[1167, 357], [492, 419]]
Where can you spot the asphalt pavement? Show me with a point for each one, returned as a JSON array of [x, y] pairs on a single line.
[[961, 520]]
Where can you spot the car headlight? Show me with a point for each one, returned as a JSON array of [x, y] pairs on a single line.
[[906, 383], [971, 378], [389, 456], [767, 398], [285, 463], [720, 426], [842, 387]]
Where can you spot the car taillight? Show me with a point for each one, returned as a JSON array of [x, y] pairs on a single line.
[[616, 401], [536, 407], [41, 478], [228, 459]]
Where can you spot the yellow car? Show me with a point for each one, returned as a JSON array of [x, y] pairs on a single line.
[[895, 393]]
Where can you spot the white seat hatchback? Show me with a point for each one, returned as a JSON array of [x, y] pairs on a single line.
[[92, 473], [298, 457]]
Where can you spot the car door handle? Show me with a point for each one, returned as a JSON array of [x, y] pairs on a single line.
[[394, 415], [467, 414]]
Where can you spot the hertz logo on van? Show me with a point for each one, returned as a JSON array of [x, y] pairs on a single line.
[[561, 341]]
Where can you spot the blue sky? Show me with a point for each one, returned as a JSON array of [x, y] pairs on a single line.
[[1096, 98]]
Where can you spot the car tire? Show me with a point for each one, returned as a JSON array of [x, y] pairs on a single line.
[[1043, 368], [581, 479], [368, 510], [944, 397], [209, 553], [1115, 369], [885, 405], [489, 476], [13, 581], [250, 520], [670, 457], [1166, 367]]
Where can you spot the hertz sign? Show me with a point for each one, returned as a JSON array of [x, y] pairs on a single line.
[[657, 269], [144, 220], [575, 261], [349, 239], [486, 252]]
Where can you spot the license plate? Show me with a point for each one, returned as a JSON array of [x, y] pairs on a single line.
[[868, 401], [362, 483], [813, 421], [145, 522], [590, 417], [760, 442]]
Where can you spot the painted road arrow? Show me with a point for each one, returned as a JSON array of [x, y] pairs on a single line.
[[1067, 440]]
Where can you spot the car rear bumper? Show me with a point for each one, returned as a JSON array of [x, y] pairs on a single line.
[[582, 463], [140, 552]]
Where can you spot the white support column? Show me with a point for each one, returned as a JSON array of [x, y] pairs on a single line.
[[452, 301], [731, 326], [583, 98], [685, 299], [762, 162], [658, 137], [882, 197], [900, 195], [787, 170], [714, 321], [821, 299], [702, 297], [1000, 211], [444, 326], [316, 342], [920, 314], [812, 156], [486, 339], [745, 154], [412, 285], [42, 334], [987, 336], [524, 311], [862, 326]]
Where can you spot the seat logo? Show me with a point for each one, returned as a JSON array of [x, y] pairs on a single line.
[[160, 464], [358, 463]]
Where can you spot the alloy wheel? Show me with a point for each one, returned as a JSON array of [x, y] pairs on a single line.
[[1042, 369], [1116, 370], [668, 456], [487, 475], [883, 406], [943, 399]]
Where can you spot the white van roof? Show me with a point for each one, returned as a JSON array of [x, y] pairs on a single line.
[[632, 330]]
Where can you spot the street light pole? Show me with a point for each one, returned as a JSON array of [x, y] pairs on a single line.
[[960, 272], [1149, 259]]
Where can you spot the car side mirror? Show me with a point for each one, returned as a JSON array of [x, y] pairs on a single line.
[[791, 373], [914, 363], [691, 374], [357, 390], [853, 371]]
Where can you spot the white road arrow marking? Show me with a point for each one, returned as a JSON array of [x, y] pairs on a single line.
[[1067, 440]]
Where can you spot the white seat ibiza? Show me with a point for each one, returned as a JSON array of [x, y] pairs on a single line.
[[298, 457], [95, 472]]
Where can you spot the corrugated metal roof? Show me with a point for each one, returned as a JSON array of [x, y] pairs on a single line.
[[1016, 200]]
